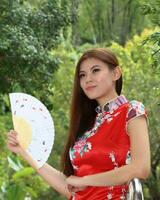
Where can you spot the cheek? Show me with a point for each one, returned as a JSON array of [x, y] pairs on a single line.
[[105, 80], [81, 82], [109, 82]]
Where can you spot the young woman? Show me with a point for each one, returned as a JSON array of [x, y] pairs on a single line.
[[108, 140]]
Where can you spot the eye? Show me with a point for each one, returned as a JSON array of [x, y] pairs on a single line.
[[96, 70], [81, 76]]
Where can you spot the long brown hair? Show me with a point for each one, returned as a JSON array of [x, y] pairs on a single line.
[[82, 110]]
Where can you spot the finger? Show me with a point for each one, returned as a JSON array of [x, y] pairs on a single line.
[[79, 188], [70, 188], [74, 189], [12, 143], [11, 136], [13, 132], [12, 140]]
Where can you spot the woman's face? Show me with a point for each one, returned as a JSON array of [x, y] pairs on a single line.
[[96, 79]]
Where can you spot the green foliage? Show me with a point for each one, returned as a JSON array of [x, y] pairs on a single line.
[[36, 56], [21, 181], [136, 63], [152, 9], [107, 21], [27, 36]]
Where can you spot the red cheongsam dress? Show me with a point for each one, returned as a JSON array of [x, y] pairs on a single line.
[[106, 146]]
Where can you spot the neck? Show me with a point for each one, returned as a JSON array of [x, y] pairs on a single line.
[[107, 98]]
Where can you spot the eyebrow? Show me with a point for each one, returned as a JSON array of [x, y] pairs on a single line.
[[91, 68]]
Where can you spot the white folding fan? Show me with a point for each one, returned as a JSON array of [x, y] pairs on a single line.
[[34, 125]]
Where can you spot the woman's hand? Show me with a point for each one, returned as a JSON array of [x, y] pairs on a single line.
[[76, 181], [12, 142], [14, 146], [75, 189]]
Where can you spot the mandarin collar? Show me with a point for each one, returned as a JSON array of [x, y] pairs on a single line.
[[112, 104]]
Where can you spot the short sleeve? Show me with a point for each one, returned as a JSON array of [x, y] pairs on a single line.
[[136, 109]]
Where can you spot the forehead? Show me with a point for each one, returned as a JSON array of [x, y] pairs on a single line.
[[88, 63]]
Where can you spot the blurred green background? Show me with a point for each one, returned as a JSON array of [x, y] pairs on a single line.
[[40, 43]]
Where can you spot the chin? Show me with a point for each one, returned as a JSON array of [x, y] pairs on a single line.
[[92, 96]]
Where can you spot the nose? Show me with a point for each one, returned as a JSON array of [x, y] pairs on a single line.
[[88, 78]]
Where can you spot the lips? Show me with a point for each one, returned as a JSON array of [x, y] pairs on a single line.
[[90, 87]]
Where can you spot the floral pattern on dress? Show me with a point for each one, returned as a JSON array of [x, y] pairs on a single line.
[[115, 164], [136, 109], [113, 159], [100, 119], [81, 146], [123, 196], [112, 105], [109, 196]]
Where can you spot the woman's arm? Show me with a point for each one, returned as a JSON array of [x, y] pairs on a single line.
[[139, 167], [53, 177]]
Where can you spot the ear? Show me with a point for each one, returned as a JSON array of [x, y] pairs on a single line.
[[117, 72]]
